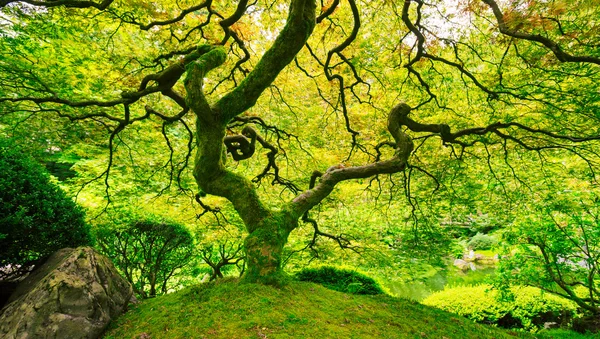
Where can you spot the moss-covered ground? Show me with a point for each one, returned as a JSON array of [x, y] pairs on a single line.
[[299, 310]]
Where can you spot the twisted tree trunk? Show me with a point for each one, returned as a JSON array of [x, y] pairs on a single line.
[[268, 230]]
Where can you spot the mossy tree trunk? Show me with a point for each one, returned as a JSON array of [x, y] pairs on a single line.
[[268, 229], [264, 250]]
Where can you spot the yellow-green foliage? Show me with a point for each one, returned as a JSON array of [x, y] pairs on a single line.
[[226, 309], [527, 305]]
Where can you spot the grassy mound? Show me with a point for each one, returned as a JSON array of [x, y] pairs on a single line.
[[299, 310]]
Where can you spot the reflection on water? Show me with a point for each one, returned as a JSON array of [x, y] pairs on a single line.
[[422, 288]]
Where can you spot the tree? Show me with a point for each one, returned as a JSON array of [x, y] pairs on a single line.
[[533, 89], [557, 250], [148, 252], [225, 254], [36, 216]]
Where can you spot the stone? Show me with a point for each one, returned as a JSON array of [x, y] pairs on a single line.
[[461, 264], [74, 294]]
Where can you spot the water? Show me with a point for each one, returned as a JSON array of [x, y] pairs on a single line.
[[449, 277]]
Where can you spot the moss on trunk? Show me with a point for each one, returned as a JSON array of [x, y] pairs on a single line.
[[264, 250]]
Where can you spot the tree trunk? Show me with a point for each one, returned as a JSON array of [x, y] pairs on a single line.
[[264, 249], [268, 230]]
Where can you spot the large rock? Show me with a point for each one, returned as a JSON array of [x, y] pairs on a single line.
[[75, 294]]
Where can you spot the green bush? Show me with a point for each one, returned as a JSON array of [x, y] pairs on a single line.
[[528, 307], [148, 252], [338, 279], [36, 217], [482, 242]]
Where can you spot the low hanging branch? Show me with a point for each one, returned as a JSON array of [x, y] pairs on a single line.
[[341, 240], [163, 82]]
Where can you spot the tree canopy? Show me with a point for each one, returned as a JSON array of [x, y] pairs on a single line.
[[477, 105]]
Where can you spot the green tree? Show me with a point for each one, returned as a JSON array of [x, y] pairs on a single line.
[[221, 255], [36, 217], [413, 76], [150, 253], [556, 249]]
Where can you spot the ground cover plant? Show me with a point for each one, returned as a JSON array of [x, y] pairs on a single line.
[[340, 279]]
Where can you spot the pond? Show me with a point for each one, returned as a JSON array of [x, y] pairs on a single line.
[[450, 277]]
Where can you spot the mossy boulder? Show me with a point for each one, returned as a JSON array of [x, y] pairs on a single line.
[[74, 294]]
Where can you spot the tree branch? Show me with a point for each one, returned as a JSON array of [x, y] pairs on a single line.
[[336, 174], [561, 55], [299, 26]]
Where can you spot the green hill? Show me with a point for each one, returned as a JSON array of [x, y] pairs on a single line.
[[299, 310]]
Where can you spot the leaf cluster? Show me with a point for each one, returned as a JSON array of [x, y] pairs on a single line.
[[556, 248], [482, 242]]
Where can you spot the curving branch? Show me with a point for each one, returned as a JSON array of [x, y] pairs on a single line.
[[328, 11], [272, 165], [178, 18], [298, 27], [57, 100], [271, 169], [328, 67], [342, 241], [163, 83], [559, 53], [336, 174], [209, 170], [235, 17], [166, 79], [445, 133]]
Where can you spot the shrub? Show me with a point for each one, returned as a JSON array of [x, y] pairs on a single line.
[[482, 242], [36, 216], [338, 279], [528, 309], [148, 252]]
